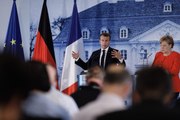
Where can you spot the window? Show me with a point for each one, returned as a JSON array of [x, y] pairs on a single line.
[[123, 32], [167, 7], [104, 30], [85, 33], [124, 54], [86, 55]]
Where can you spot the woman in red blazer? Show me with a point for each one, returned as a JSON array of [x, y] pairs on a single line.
[[169, 60]]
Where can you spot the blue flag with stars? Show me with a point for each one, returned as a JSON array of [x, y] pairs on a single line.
[[13, 43]]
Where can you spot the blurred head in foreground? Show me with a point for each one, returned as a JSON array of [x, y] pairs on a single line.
[[14, 87], [153, 83], [117, 80]]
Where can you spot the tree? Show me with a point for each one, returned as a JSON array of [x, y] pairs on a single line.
[[33, 32], [57, 26]]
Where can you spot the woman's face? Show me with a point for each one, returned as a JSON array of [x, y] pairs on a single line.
[[165, 47]]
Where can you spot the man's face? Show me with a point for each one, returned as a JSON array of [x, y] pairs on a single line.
[[104, 42]]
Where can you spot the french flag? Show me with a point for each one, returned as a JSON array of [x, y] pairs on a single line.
[[69, 82]]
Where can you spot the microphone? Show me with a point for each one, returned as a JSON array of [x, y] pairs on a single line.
[[149, 55]]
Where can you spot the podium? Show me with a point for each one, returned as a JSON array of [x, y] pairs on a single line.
[[82, 78]]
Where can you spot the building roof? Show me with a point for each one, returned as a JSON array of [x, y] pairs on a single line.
[[130, 9], [138, 17]]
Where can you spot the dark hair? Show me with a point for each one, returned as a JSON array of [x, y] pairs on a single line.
[[95, 71], [116, 76], [38, 75], [153, 80], [106, 35], [13, 80], [167, 39]]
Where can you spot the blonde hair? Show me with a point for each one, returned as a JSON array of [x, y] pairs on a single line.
[[168, 39]]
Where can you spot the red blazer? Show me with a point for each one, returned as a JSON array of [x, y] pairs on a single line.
[[172, 64]]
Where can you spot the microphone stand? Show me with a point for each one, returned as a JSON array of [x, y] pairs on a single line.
[[148, 57]]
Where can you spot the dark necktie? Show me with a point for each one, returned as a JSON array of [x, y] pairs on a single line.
[[102, 59]]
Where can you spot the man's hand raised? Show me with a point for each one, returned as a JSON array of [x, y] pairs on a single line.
[[75, 55], [116, 54]]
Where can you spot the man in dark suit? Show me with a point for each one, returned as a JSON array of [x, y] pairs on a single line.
[[102, 57], [152, 98]]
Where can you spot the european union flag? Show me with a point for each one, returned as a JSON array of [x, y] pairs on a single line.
[[13, 43]]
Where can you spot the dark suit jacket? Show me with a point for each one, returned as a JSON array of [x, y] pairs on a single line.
[[94, 60], [147, 110], [86, 94]]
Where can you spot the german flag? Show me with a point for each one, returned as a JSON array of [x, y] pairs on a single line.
[[44, 49]]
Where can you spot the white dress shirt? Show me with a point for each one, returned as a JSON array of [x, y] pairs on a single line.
[[106, 50], [106, 102]]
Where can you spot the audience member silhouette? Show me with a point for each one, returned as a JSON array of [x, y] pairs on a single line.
[[86, 94], [116, 87], [38, 105], [58, 97], [152, 97], [14, 87]]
